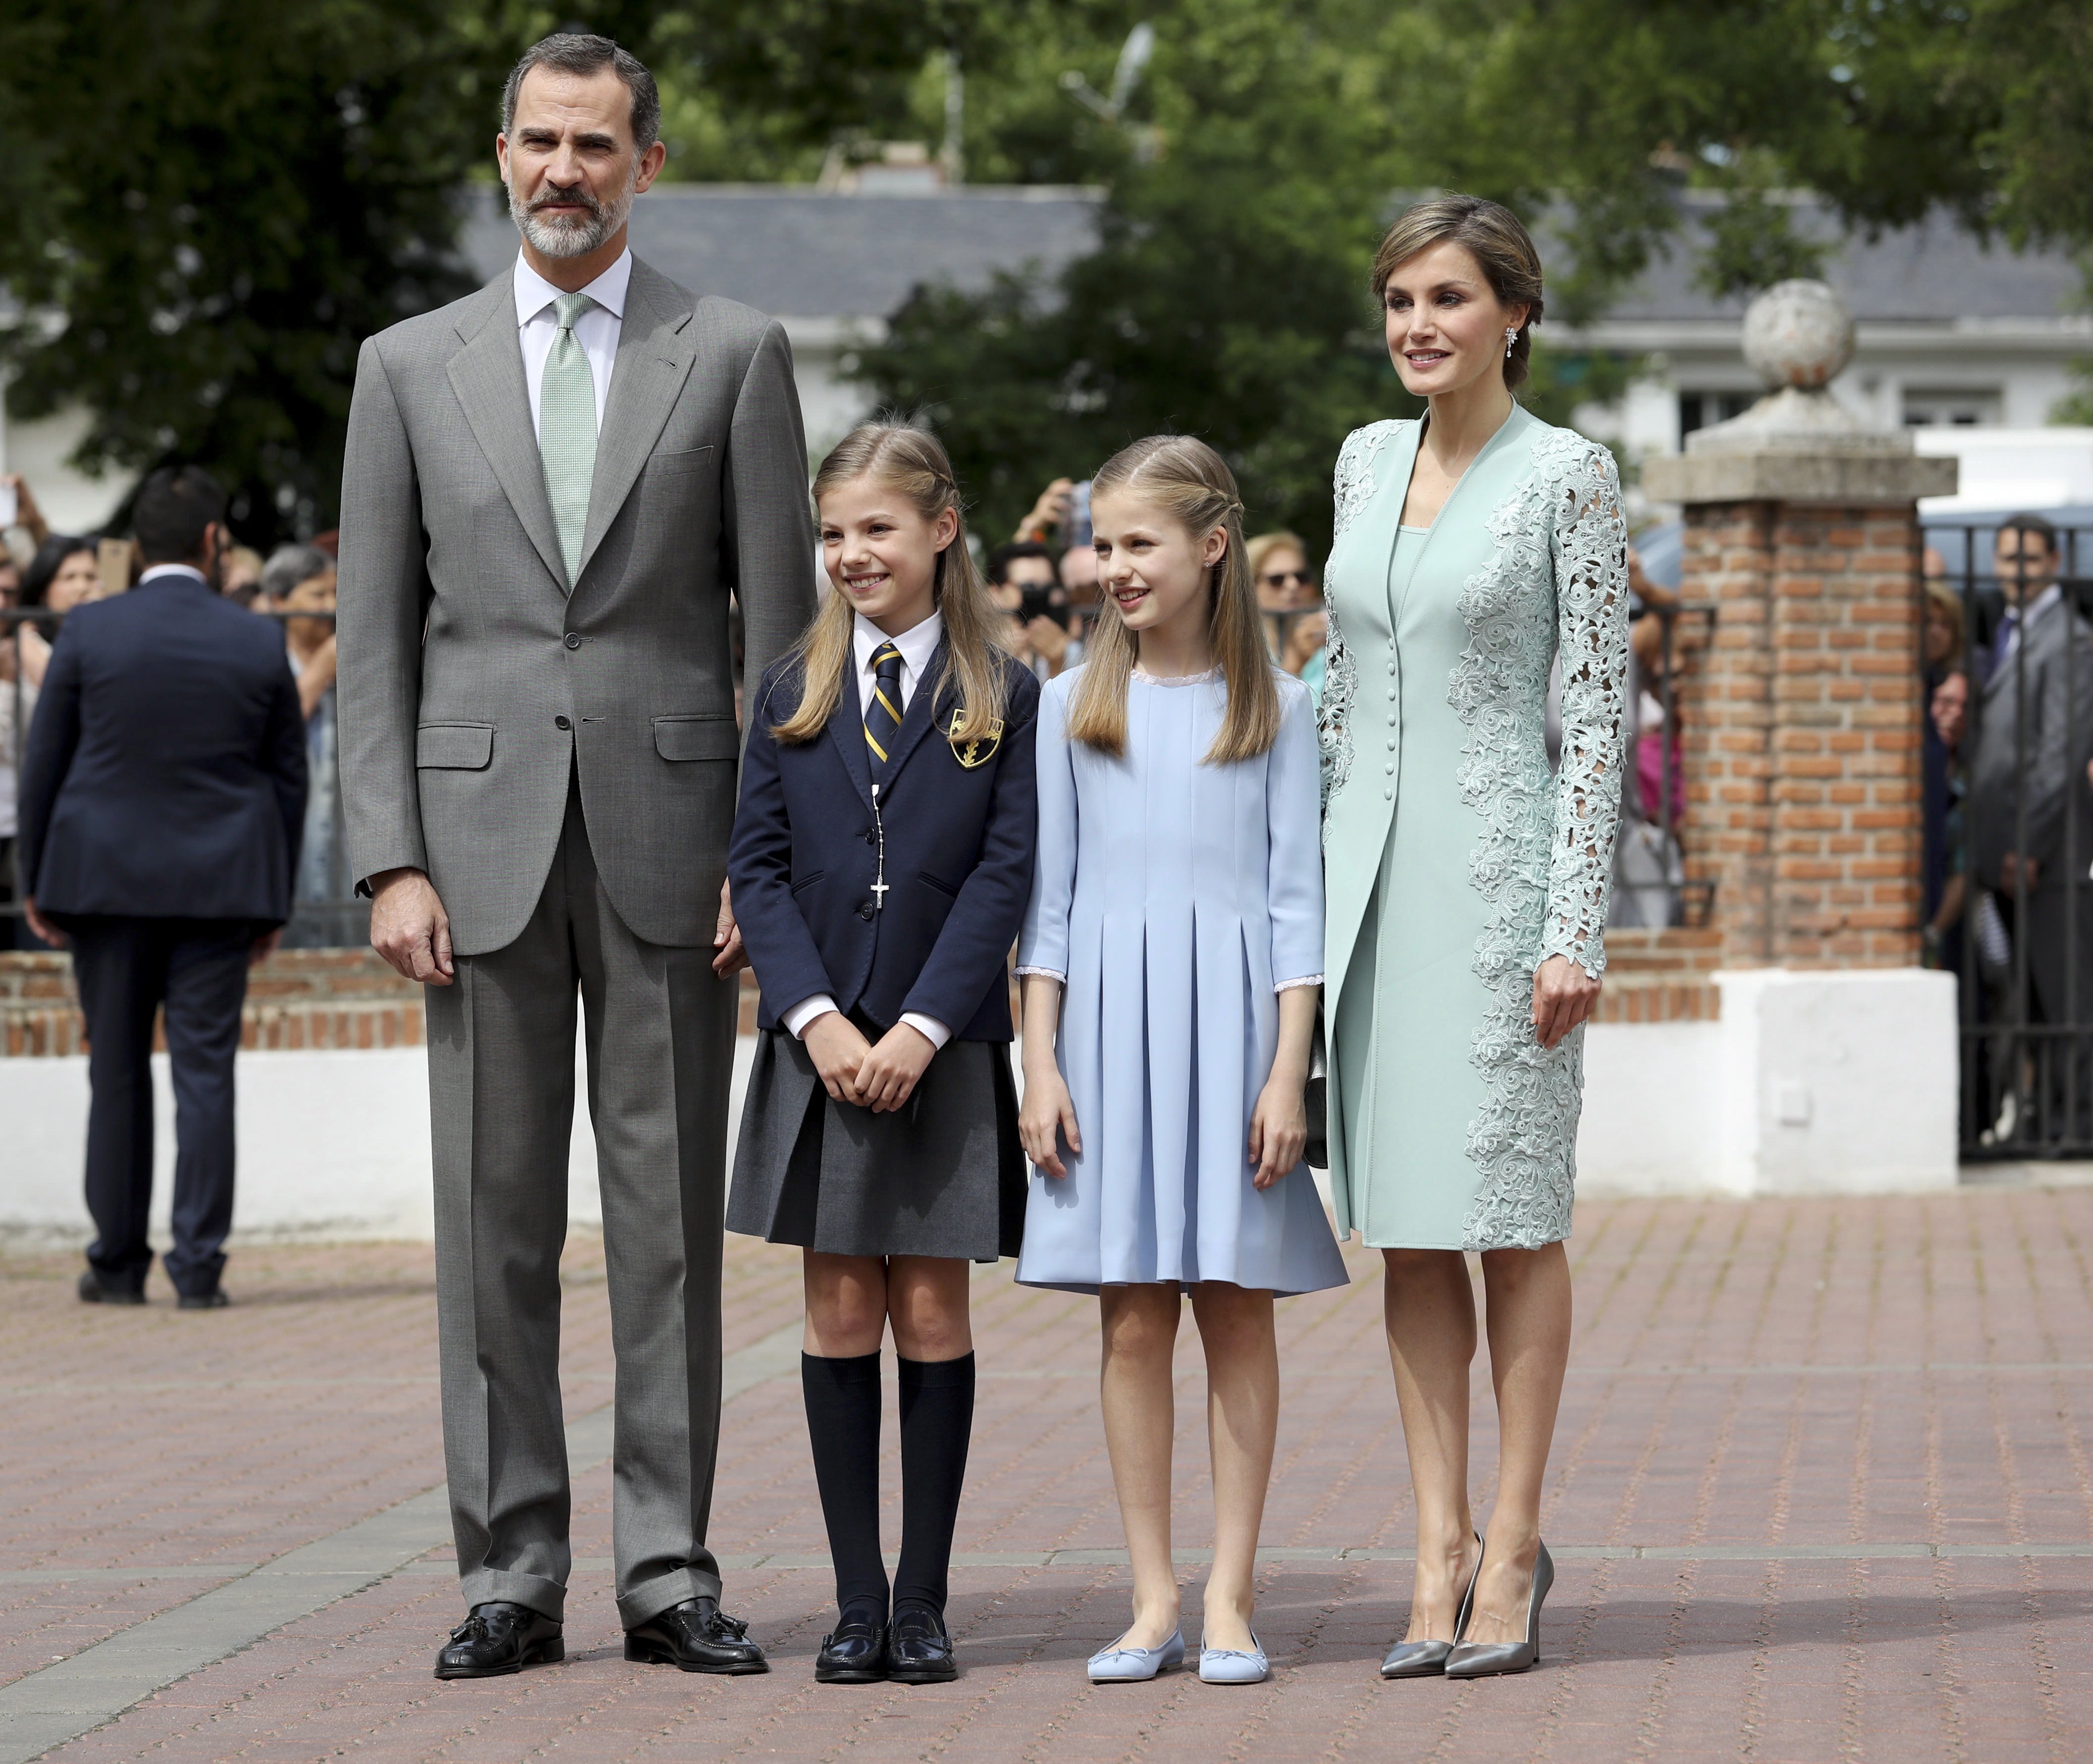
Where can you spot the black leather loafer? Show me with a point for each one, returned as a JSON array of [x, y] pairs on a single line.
[[697, 1636], [854, 1653], [95, 1290], [213, 1300], [919, 1650], [498, 1638]]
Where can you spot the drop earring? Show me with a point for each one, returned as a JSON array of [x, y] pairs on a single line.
[[1511, 337]]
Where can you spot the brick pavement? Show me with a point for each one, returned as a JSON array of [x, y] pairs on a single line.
[[1811, 1456]]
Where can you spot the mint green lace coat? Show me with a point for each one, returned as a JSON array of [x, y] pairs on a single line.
[[1447, 835]]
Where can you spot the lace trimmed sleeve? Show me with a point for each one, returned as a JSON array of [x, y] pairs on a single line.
[[1352, 488], [1589, 544]]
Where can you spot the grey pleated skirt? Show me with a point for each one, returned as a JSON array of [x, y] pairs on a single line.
[[944, 1175]]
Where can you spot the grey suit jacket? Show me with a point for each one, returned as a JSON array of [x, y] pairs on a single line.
[[2035, 731], [473, 678]]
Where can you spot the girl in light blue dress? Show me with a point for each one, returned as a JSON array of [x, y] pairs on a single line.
[[1174, 939]]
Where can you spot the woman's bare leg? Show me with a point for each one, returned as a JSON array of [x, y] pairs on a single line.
[[1527, 1294], [1429, 1304], [1140, 1330], [1242, 1424]]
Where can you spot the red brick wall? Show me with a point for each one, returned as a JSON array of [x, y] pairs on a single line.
[[1800, 727]]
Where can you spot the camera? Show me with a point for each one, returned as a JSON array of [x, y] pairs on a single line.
[[1040, 602]]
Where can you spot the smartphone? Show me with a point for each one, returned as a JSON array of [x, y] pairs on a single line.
[[113, 556], [11, 507], [1079, 514]]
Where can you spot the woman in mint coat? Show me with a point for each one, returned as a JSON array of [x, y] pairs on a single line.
[[1477, 552]]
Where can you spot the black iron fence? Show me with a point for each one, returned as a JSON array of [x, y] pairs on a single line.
[[2007, 860]]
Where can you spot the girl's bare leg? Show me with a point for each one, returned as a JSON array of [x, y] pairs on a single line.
[[1243, 1425], [1140, 1332]]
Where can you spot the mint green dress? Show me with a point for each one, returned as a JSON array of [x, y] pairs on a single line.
[[1456, 860]]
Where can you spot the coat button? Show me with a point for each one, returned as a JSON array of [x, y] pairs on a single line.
[[561, 723], [870, 837], [573, 639], [865, 912]]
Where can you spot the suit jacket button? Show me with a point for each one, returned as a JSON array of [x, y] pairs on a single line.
[[573, 639], [561, 723], [865, 912]]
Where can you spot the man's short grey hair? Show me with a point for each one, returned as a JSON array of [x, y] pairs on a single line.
[[578, 53], [289, 566]]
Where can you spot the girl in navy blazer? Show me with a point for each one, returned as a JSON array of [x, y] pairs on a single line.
[[882, 859]]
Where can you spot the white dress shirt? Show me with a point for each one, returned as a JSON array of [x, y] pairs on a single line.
[[595, 330], [918, 644], [159, 570], [2017, 621]]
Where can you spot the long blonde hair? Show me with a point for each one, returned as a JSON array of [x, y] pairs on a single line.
[[1192, 484], [911, 463]]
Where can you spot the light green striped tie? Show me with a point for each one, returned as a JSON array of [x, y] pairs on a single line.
[[566, 431]]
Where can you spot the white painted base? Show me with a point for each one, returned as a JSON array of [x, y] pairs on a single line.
[[1810, 1083], [1833, 1082], [333, 1144]]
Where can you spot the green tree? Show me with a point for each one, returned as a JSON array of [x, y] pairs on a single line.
[[215, 203]]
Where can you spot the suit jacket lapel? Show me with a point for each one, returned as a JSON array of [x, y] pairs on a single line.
[[654, 355], [926, 710], [488, 376], [847, 730]]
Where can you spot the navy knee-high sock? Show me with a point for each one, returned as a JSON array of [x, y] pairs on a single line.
[[843, 1426], [937, 1422]]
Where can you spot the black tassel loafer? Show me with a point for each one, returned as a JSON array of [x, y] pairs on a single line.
[[854, 1651], [696, 1636], [919, 1648], [499, 1638]]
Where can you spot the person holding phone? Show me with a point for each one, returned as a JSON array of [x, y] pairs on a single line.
[[1025, 582]]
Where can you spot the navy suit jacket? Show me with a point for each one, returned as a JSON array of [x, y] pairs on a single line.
[[960, 844], [165, 772]]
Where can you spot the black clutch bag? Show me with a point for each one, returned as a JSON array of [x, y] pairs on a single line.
[[1315, 1098]]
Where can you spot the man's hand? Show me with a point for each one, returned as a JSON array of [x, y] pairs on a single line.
[[890, 1070], [40, 925], [1049, 642], [2014, 869], [264, 946], [837, 1050], [727, 939], [1050, 511], [409, 926]]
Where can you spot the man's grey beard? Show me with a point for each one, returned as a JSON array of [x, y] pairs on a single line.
[[557, 235]]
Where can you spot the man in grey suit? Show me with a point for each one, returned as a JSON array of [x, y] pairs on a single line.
[[2030, 812], [551, 489]]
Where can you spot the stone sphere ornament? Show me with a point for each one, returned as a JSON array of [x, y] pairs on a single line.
[[1798, 334]]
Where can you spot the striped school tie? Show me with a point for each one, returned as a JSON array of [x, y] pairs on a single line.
[[882, 715]]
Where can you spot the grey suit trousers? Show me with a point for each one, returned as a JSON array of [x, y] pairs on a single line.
[[660, 1042]]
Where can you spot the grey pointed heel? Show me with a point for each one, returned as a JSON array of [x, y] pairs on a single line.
[[1481, 1659], [1427, 1659]]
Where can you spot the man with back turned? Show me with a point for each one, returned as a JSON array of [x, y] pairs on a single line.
[[163, 795], [551, 489]]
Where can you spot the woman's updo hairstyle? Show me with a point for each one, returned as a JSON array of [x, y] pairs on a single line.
[[1491, 234]]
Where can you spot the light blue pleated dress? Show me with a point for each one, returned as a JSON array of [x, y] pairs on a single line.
[[1176, 898]]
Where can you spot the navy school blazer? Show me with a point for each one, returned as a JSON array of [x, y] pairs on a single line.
[[960, 847]]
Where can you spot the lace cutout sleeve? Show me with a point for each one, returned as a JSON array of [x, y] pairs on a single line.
[[1590, 554], [1352, 488]]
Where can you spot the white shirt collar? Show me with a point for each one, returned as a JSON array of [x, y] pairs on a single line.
[[159, 570], [918, 644], [534, 294]]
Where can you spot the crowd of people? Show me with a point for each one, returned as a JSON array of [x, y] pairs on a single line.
[[51, 574], [2009, 823]]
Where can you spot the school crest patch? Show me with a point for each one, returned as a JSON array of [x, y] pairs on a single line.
[[975, 750]]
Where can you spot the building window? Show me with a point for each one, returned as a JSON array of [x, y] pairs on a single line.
[[1701, 410], [1957, 407]]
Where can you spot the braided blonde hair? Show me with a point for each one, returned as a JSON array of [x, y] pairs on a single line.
[[1191, 484]]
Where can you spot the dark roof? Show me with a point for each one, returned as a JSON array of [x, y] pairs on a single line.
[[1933, 272], [800, 252]]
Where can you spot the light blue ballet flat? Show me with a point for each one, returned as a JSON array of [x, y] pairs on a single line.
[[1234, 1666], [1135, 1666]]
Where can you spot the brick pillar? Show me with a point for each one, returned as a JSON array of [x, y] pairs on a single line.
[[1801, 732]]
